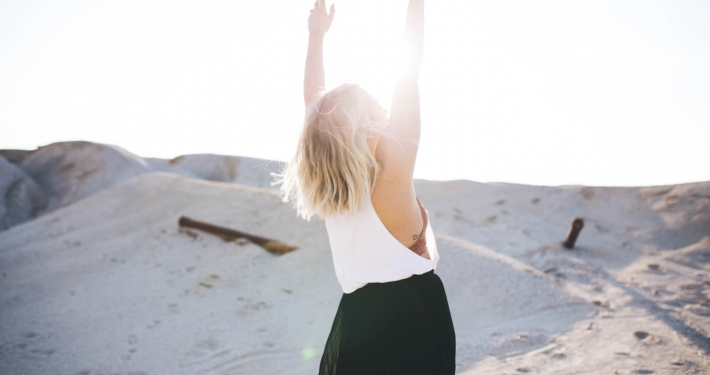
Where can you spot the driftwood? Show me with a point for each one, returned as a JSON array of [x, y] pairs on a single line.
[[228, 234]]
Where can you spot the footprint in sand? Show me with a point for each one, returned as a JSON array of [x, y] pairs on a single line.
[[132, 341], [32, 343], [646, 337], [203, 348]]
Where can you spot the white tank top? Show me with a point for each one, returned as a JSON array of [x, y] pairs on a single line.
[[364, 251]]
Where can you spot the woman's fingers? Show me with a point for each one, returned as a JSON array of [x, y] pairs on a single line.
[[320, 4], [320, 19]]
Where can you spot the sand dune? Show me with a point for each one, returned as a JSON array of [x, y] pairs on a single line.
[[23, 198], [68, 171], [106, 281]]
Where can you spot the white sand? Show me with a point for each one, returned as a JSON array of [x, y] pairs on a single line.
[[109, 284]]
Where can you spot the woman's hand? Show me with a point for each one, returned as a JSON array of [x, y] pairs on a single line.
[[319, 21], [318, 24]]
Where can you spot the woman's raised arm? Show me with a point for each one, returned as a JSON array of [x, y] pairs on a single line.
[[413, 41], [405, 122], [318, 24]]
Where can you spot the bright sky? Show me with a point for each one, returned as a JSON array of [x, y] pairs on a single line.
[[613, 93]]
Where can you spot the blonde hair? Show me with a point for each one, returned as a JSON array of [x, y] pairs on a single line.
[[333, 167]]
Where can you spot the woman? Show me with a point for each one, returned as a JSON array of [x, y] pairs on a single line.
[[351, 169]]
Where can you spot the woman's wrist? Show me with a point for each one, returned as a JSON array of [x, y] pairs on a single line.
[[316, 35]]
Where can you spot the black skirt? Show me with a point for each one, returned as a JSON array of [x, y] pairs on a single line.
[[399, 327]]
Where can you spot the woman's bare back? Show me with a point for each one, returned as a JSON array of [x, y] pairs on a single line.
[[396, 205]]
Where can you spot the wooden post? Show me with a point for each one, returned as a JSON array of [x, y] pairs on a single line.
[[574, 229]]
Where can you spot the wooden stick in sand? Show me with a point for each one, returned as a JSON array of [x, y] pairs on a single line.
[[574, 229], [227, 234]]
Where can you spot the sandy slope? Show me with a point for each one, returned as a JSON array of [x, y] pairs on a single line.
[[110, 285]]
